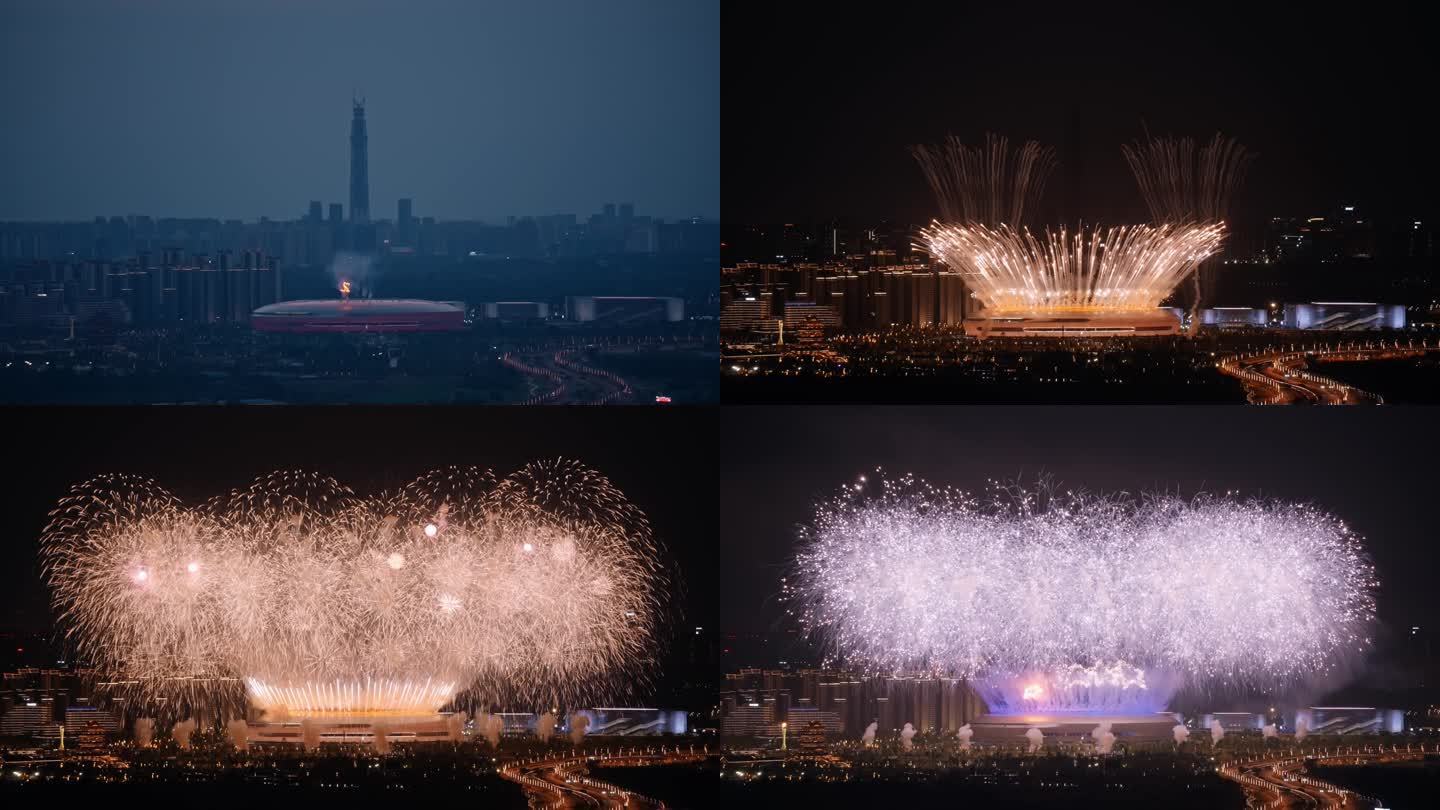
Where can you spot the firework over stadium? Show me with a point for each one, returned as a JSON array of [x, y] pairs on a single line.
[[1066, 603], [1090, 280], [540, 589]]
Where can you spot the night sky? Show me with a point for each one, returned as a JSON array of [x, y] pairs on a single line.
[[663, 460], [820, 107], [1368, 468], [242, 109]]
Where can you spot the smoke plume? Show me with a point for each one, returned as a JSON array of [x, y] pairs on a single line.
[[578, 724], [181, 732], [239, 734], [144, 731], [545, 727], [1217, 732]]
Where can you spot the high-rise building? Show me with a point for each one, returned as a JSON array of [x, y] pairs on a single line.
[[315, 215], [405, 222], [359, 167]]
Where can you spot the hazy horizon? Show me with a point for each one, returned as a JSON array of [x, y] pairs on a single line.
[[476, 111]]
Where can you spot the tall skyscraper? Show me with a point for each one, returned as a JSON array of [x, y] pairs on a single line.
[[315, 215], [359, 167]]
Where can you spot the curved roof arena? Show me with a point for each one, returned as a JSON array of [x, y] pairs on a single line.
[[360, 315]]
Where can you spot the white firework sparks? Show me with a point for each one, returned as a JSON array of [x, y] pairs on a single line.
[[1084, 595], [1117, 269], [544, 588]]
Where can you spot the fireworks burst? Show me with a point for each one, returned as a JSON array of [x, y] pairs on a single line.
[[541, 589], [1076, 593], [985, 184], [1118, 269], [1181, 185], [983, 193]]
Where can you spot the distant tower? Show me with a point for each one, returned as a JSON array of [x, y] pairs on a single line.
[[359, 167]]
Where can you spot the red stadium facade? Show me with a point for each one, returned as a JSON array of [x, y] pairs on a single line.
[[364, 315]]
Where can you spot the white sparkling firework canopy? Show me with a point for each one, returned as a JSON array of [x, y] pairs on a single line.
[[904, 576]]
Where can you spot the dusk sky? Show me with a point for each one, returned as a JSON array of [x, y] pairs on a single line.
[[242, 109]]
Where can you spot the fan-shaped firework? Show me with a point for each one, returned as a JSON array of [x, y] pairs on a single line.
[[540, 589], [1108, 275], [1080, 593], [1119, 269]]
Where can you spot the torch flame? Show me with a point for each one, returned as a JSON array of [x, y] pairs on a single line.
[[345, 289]]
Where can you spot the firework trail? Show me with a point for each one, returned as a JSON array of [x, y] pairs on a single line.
[[1181, 184], [989, 184], [1116, 269], [868, 738], [1069, 601], [544, 588]]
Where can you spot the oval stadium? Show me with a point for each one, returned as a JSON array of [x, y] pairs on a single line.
[[364, 315]]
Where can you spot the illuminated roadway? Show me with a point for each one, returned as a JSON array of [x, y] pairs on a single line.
[[563, 781], [1283, 377], [1281, 781], [555, 371]]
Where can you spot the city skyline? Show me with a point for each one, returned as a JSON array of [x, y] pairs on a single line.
[[260, 138], [358, 211]]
